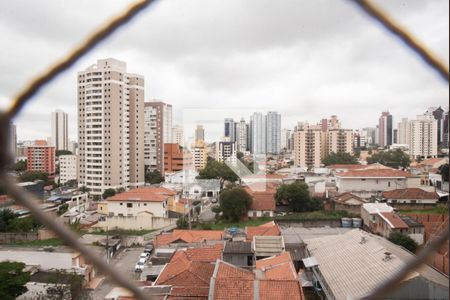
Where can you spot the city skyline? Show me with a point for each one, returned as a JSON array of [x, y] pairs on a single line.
[[262, 67]]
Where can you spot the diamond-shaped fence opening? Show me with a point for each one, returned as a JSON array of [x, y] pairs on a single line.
[[30, 89]]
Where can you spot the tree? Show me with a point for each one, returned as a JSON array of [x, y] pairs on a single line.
[[154, 177], [234, 203], [403, 240], [108, 193], [443, 170], [182, 222], [12, 280], [341, 158], [391, 158], [64, 285], [32, 176], [297, 196], [84, 189], [10, 222], [217, 170], [62, 208], [19, 166]]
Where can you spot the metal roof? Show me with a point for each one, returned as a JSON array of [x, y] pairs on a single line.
[[352, 266]]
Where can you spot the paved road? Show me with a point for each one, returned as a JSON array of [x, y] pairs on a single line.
[[124, 263]]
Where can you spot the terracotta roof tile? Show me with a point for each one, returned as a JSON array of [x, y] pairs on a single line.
[[280, 290], [375, 173], [188, 236], [410, 193], [226, 270], [144, 194], [394, 220], [226, 289], [273, 260], [267, 229]]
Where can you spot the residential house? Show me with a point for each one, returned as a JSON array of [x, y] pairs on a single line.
[[184, 237], [367, 183], [348, 202], [369, 212], [410, 198], [189, 272], [351, 265], [137, 209], [263, 200], [273, 279], [389, 222], [238, 253], [266, 229]]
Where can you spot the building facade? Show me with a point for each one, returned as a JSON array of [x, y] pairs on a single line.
[[339, 140], [67, 168], [199, 133], [423, 140], [200, 155], [309, 146], [176, 159], [229, 129], [13, 139], [177, 135], [273, 132], [41, 158], [241, 136], [157, 132], [60, 137], [110, 123], [385, 129], [258, 133], [226, 151]]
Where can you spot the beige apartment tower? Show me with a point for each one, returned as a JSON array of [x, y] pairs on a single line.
[[309, 146], [339, 140], [110, 127]]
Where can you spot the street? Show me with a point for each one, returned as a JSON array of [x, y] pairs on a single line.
[[124, 263]]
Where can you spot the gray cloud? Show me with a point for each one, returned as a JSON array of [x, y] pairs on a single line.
[[305, 59]]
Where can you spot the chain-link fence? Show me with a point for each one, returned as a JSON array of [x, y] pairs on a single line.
[[27, 200]]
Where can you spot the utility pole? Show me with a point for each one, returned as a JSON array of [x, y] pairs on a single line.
[[107, 245]]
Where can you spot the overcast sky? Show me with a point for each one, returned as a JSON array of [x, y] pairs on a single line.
[[304, 59]]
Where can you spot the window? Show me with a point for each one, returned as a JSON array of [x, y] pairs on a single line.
[[129, 205]]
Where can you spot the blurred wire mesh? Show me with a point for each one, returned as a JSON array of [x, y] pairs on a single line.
[[30, 89]]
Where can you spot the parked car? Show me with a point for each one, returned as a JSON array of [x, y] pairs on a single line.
[[140, 265], [148, 248], [144, 255]]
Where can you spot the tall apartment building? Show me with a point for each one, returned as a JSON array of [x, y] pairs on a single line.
[[309, 146], [200, 155], [110, 127], [241, 136], [67, 168], [157, 132], [423, 141], [385, 129], [445, 135], [60, 130], [339, 140], [284, 141], [258, 133], [13, 139], [403, 132], [226, 151], [199, 133], [369, 134], [273, 132], [41, 158], [177, 135], [176, 159], [229, 129], [438, 114]]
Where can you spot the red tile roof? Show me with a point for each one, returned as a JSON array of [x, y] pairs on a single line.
[[188, 236], [264, 199], [410, 193], [372, 173], [340, 166], [206, 253], [393, 220], [144, 194], [267, 229], [344, 197], [273, 260], [276, 283], [280, 290], [277, 267]]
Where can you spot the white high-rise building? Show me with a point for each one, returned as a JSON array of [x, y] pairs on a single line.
[[241, 136], [67, 168], [226, 151], [273, 132], [258, 133], [157, 132], [110, 127], [423, 137], [177, 135], [13, 138], [403, 132], [199, 133], [60, 138]]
